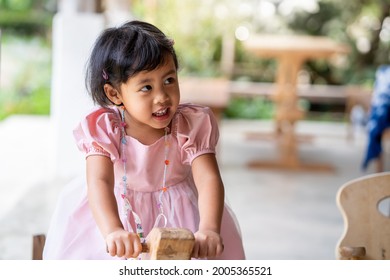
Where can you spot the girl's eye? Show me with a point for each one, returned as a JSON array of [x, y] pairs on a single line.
[[169, 81], [146, 88]]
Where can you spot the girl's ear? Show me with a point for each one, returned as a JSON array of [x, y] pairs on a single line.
[[112, 94]]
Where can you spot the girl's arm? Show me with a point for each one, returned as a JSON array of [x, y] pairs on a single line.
[[208, 242], [100, 181]]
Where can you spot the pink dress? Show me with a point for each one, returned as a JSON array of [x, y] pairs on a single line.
[[73, 233]]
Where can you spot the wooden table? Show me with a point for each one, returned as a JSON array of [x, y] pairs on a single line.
[[291, 52], [210, 92]]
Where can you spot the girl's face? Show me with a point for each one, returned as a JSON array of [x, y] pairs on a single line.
[[151, 99]]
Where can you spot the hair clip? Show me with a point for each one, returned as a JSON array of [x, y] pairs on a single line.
[[105, 75]]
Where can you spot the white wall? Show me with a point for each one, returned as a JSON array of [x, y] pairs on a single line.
[[73, 37]]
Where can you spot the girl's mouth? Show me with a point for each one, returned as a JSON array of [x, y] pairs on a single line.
[[161, 113]]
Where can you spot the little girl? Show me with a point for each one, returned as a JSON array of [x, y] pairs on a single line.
[[150, 161]]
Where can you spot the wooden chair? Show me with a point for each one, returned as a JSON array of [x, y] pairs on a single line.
[[366, 224], [38, 244]]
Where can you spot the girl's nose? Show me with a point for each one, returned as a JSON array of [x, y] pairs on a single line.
[[162, 96]]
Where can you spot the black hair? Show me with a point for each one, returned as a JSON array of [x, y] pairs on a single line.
[[121, 52]]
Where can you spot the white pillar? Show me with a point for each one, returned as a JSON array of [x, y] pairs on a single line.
[[117, 12], [73, 37]]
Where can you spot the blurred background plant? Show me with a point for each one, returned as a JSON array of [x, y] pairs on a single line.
[[200, 29], [25, 72]]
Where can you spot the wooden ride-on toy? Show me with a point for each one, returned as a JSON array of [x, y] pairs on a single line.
[[169, 244], [161, 244]]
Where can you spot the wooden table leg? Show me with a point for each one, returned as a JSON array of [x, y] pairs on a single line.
[[287, 114], [289, 158]]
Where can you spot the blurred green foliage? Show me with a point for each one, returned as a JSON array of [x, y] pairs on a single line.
[[250, 108], [363, 25], [200, 29], [25, 87], [27, 17], [25, 74], [25, 22]]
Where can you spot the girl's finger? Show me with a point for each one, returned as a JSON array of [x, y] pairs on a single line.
[[120, 249], [111, 249], [220, 249], [137, 247], [203, 250], [195, 250], [212, 250], [128, 249]]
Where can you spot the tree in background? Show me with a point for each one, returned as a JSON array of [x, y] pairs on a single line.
[[25, 56], [204, 31], [200, 26], [363, 24], [27, 17]]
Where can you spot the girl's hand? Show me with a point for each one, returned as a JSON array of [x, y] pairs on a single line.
[[208, 244], [122, 243]]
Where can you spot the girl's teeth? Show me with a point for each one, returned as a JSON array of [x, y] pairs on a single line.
[[160, 113]]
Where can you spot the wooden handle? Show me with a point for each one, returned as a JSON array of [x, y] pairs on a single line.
[[352, 253], [145, 247], [169, 244]]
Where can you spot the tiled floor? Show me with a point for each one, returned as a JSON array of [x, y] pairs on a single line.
[[287, 214], [283, 214]]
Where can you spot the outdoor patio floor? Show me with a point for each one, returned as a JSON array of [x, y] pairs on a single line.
[[284, 215]]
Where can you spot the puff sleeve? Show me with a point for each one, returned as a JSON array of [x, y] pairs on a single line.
[[99, 134], [197, 132]]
